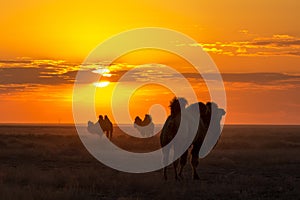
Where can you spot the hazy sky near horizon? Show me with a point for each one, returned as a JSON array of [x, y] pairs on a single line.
[[255, 44]]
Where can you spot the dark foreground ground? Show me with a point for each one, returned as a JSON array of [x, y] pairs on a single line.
[[249, 162]]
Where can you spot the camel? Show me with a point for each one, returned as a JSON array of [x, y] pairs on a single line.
[[94, 128], [103, 125], [107, 127], [145, 127], [170, 128]]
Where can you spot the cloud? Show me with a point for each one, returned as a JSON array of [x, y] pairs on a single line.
[[37, 73], [276, 45], [32, 75], [21, 73], [277, 41], [47, 72], [6, 89], [151, 73], [2, 62], [159, 71], [261, 78]]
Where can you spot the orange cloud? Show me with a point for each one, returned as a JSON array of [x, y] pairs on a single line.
[[46, 85], [276, 45]]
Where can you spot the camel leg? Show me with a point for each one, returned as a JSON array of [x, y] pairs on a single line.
[[165, 161], [183, 161], [165, 173], [195, 161], [175, 165]]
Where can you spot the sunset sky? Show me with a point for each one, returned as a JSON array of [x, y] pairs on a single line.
[[255, 44]]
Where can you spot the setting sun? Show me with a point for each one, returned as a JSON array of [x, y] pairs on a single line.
[[101, 84]]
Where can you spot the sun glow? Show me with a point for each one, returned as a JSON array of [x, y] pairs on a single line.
[[102, 71], [101, 84]]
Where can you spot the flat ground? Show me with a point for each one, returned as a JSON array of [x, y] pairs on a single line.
[[249, 162]]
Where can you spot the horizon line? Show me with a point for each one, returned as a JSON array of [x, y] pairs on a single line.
[[122, 124]]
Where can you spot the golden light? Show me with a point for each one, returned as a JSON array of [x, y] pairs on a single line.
[[101, 84], [107, 75], [102, 71]]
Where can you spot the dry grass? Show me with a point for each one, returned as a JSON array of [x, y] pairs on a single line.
[[51, 163]]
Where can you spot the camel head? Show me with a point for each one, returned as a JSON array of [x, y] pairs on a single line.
[[138, 121], [177, 104], [218, 112]]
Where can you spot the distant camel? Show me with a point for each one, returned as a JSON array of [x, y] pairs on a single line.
[[103, 125], [106, 126], [188, 116], [94, 128], [145, 127]]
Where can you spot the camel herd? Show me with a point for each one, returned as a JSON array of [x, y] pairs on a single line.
[[181, 116]]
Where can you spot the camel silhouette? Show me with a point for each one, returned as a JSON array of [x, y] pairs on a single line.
[[185, 117], [94, 128], [145, 127], [106, 126], [103, 125]]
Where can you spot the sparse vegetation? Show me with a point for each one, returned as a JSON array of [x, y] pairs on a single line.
[[249, 162]]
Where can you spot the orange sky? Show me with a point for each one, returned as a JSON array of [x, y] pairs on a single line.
[[255, 44]]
